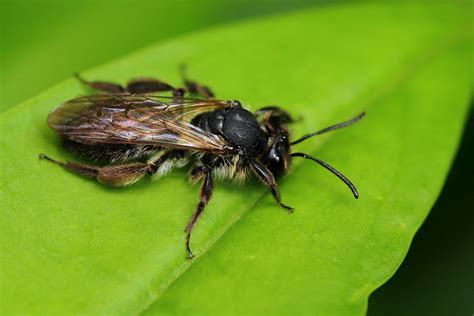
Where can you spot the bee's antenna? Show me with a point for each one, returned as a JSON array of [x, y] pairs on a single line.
[[331, 169], [330, 128]]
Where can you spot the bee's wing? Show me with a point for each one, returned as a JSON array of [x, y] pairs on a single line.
[[136, 119]]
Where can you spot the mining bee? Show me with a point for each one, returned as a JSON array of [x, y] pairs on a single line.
[[136, 132]]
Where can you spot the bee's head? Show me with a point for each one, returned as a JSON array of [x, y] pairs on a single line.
[[278, 158]]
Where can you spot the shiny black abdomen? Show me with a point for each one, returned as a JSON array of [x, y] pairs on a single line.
[[238, 126]]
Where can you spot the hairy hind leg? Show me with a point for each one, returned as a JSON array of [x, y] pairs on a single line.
[[114, 175]]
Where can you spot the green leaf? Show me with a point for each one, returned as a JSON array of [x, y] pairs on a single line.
[[70, 245]]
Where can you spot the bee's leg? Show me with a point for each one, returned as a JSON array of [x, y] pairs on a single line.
[[273, 116], [101, 85], [194, 87], [149, 85], [267, 177], [205, 195], [114, 175], [87, 171], [196, 174]]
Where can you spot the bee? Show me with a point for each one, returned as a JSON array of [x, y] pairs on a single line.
[[138, 131]]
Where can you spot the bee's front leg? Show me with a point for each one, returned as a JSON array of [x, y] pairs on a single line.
[[273, 116], [267, 177]]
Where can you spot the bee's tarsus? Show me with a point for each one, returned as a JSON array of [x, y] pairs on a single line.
[[190, 255], [288, 208], [47, 158]]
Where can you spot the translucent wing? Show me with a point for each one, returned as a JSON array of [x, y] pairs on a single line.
[[136, 119]]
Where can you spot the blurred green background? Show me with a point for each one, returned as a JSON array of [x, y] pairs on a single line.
[[44, 42]]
